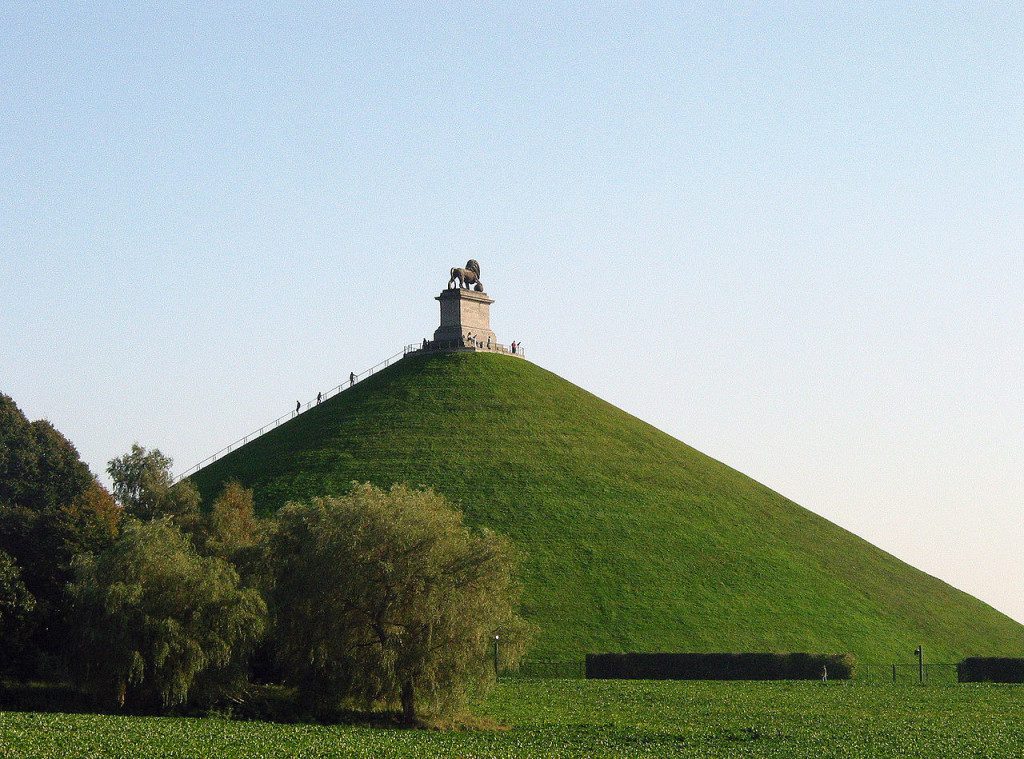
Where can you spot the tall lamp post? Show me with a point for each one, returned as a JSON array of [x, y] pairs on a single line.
[[496, 638], [920, 664]]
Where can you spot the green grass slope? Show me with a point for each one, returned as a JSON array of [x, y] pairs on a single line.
[[632, 539]]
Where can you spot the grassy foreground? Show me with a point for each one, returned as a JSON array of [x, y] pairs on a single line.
[[632, 539], [570, 718]]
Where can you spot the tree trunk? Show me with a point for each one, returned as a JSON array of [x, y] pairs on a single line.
[[408, 702]]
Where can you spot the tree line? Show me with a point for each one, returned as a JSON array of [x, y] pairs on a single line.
[[149, 600]]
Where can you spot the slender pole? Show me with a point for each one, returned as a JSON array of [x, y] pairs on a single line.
[[496, 656], [920, 664]]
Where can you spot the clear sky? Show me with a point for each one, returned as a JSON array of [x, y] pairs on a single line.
[[791, 235]]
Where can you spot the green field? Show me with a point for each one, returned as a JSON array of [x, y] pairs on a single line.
[[632, 539], [554, 718]]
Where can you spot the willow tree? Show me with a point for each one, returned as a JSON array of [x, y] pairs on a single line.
[[153, 619], [385, 597]]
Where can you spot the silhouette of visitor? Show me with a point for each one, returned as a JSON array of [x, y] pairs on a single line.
[[318, 397], [513, 347], [351, 378], [488, 342], [298, 405]]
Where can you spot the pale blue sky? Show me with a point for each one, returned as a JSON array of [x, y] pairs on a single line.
[[790, 235]]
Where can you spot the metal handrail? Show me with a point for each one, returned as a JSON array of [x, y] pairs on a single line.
[[411, 348], [292, 414], [439, 346]]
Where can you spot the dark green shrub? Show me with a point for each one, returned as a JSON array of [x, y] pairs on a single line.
[[44, 697], [990, 669], [740, 666]]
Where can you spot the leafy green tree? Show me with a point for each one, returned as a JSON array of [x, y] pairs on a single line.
[[231, 526], [16, 605], [386, 597], [31, 539], [182, 505], [39, 468], [63, 475], [90, 522], [51, 508], [140, 478], [44, 542], [155, 620], [19, 454], [143, 486], [15, 601], [27, 536]]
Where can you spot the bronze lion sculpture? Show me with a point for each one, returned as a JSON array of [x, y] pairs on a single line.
[[466, 277]]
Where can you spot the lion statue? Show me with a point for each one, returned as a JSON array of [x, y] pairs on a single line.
[[466, 277]]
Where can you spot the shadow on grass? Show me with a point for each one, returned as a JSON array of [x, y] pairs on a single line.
[[45, 697], [261, 703]]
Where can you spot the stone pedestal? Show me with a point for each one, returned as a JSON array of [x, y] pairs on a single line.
[[464, 313]]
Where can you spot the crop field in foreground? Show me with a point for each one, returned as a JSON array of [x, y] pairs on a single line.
[[553, 718]]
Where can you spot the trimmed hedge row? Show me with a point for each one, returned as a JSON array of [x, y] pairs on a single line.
[[747, 666], [990, 669]]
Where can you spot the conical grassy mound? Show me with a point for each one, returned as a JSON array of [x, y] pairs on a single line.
[[632, 540]]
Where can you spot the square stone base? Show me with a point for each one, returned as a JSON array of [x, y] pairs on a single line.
[[465, 319]]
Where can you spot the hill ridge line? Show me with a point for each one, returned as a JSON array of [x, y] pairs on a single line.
[[631, 539], [355, 378], [345, 385]]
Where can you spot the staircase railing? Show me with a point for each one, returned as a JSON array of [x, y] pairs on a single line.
[[352, 380]]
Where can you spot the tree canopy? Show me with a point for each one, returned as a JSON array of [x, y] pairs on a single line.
[[15, 600], [39, 468], [381, 598], [144, 488], [386, 597], [231, 525], [51, 508], [152, 617]]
